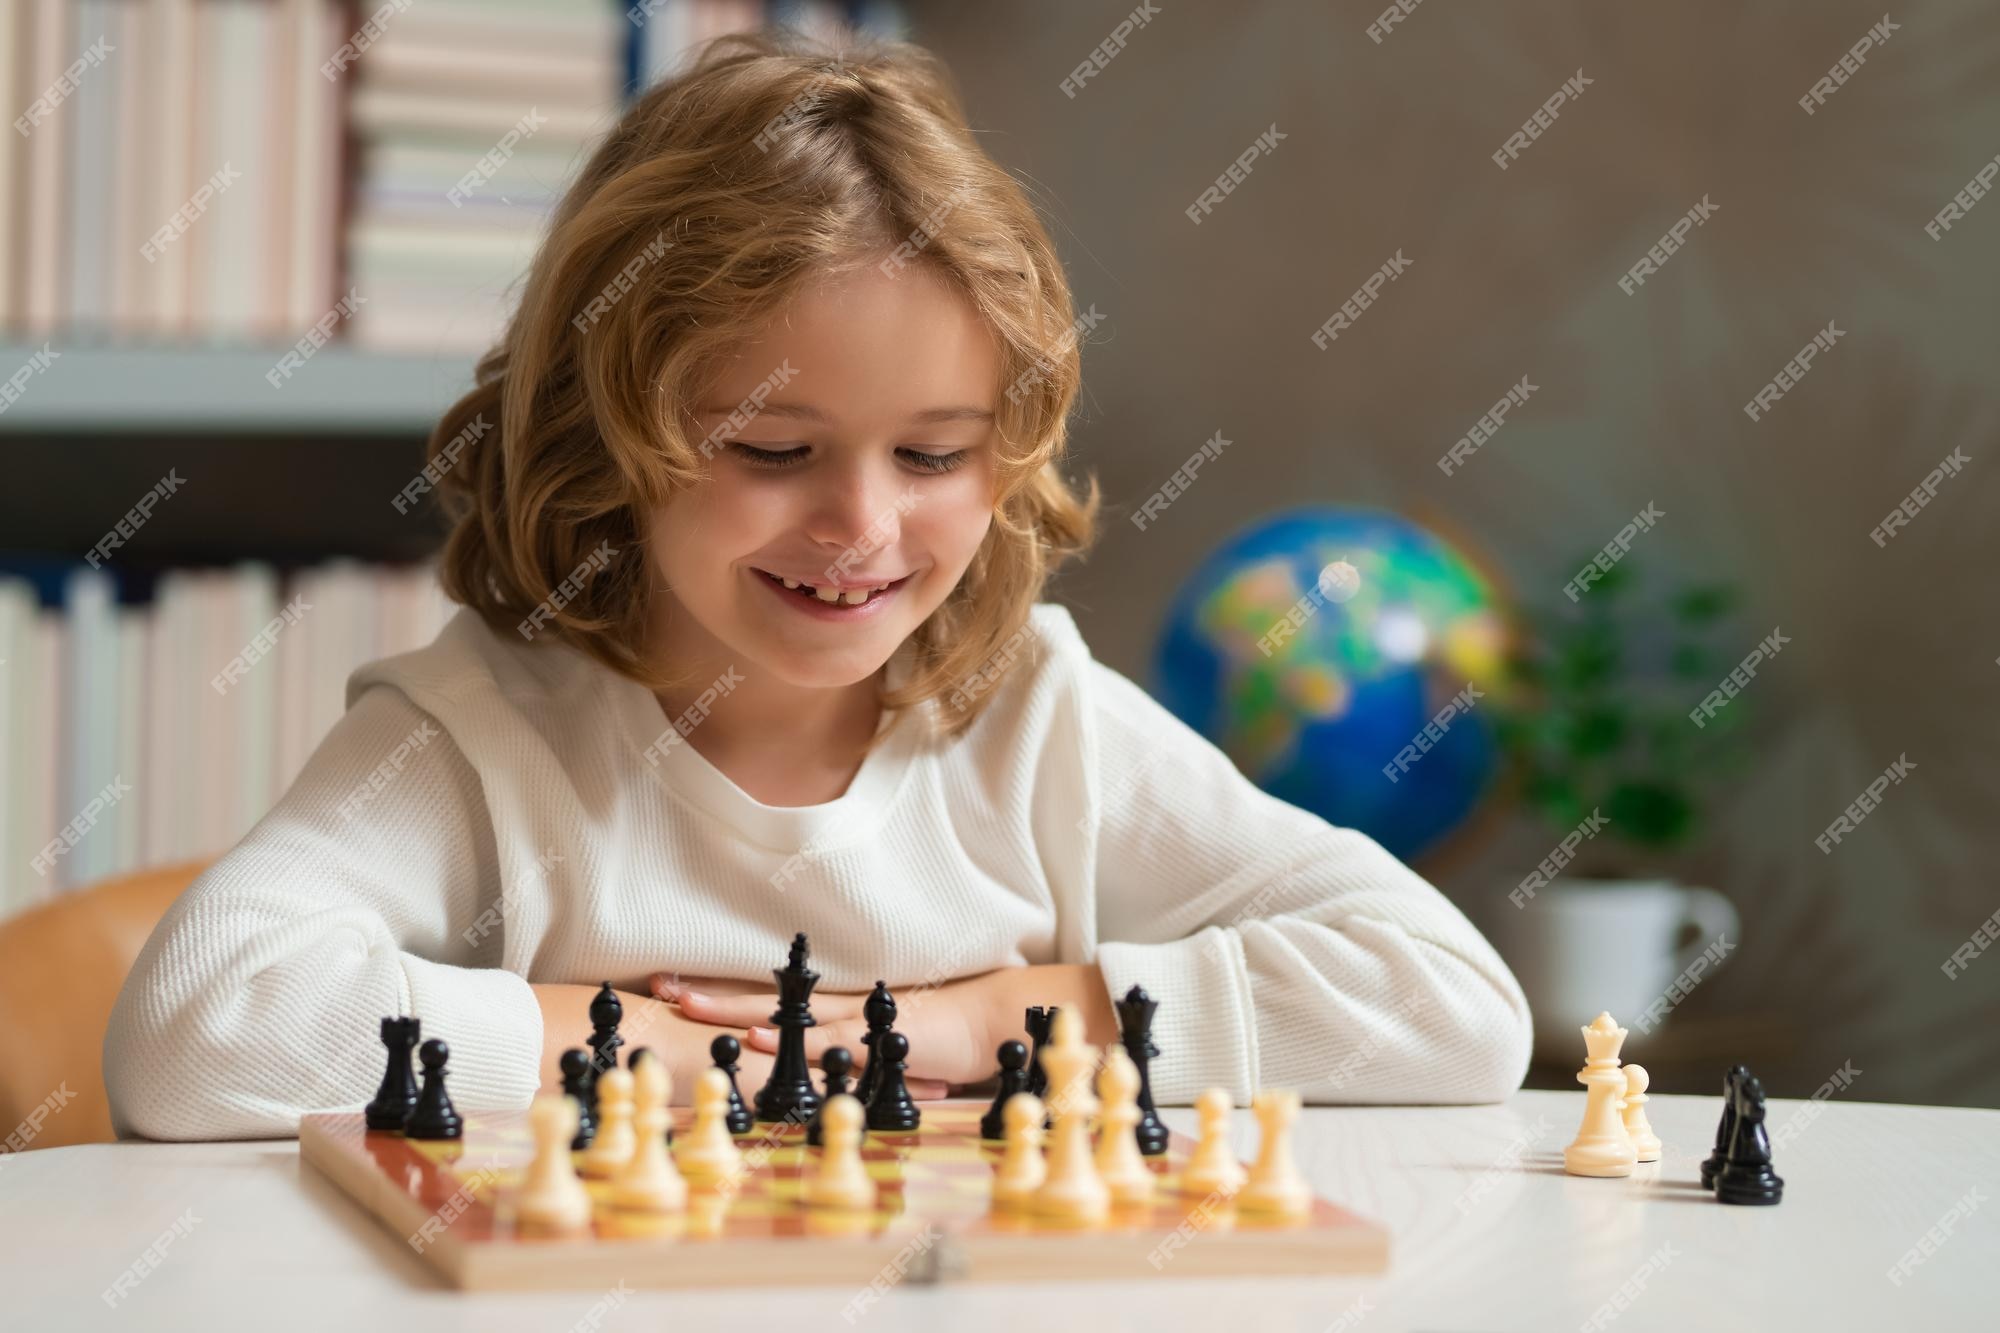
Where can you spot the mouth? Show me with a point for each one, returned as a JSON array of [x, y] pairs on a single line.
[[826, 600]]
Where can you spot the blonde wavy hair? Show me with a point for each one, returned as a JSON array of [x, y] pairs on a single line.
[[771, 163]]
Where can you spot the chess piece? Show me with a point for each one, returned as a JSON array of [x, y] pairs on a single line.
[[433, 1117], [632, 1059], [575, 1067], [1072, 1195], [614, 1142], [1135, 1031], [1037, 1022], [1602, 1147], [789, 1093], [840, 1179], [649, 1182], [1645, 1143], [552, 1196], [1275, 1185], [397, 1096], [725, 1050], [1213, 1169], [1013, 1080], [893, 1111], [606, 1009], [835, 1064], [1120, 1164], [879, 1009], [707, 1153], [1746, 1176], [1725, 1127], [1022, 1169]]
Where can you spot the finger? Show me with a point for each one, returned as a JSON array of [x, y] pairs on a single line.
[[927, 1089], [735, 1011]]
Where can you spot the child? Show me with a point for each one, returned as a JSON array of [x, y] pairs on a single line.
[[754, 505]]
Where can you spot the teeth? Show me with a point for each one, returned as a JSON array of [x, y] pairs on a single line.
[[833, 596], [789, 583]]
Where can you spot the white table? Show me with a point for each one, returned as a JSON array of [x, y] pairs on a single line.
[[1488, 1234]]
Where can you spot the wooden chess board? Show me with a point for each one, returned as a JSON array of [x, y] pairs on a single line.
[[934, 1219]]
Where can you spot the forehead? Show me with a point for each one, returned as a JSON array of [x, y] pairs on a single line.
[[868, 347]]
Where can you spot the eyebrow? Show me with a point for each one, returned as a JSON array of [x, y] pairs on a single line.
[[807, 412]]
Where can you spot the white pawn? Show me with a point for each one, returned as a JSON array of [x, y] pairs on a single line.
[[612, 1147], [552, 1196], [1213, 1169], [1120, 1164], [1275, 1185], [650, 1182], [1022, 1169], [840, 1180], [1072, 1194], [707, 1153], [1644, 1141]]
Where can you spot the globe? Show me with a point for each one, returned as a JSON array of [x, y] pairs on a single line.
[[1317, 645]]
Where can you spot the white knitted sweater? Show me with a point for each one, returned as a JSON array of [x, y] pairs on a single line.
[[490, 813]]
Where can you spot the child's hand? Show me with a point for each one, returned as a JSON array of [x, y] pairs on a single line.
[[949, 1027]]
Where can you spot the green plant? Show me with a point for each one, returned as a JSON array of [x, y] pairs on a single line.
[[1595, 716]]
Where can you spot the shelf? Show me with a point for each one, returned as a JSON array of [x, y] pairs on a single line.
[[136, 387]]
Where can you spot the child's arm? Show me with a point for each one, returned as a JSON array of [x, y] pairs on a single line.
[[1284, 951], [260, 995]]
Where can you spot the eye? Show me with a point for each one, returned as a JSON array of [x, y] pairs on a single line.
[[768, 458], [924, 462]]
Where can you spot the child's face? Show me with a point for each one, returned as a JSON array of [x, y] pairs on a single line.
[[855, 486]]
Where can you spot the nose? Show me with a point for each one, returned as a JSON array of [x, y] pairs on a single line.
[[858, 507]]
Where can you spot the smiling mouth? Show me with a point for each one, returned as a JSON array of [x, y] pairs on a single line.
[[827, 596]]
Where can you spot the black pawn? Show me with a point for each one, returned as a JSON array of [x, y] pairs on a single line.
[[892, 1110], [605, 1011], [1013, 1079], [836, 1064], [1747, 1177], [398, 1093], [1135, 1029], [1725, 1127], [725, 1050], [879, 1009], [434, 1117], [575, 1073], [1039, 1022]]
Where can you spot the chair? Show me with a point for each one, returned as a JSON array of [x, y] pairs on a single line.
[[61, 965]]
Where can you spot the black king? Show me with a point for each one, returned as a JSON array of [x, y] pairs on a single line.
[[789, 1094]]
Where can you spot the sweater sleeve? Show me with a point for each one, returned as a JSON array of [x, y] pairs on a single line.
[[1285, 951], [260, 994]]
